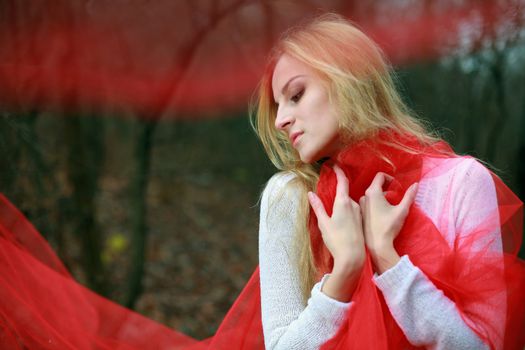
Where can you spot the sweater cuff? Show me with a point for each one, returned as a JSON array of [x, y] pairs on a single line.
[[394, 276], [331, 309]]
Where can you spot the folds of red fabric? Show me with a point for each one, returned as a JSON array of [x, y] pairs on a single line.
[[43, 307]]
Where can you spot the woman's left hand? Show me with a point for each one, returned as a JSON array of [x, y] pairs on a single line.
[[383, 221]]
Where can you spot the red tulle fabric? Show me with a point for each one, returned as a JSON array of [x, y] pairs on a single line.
[[42, 307], [486, 284]]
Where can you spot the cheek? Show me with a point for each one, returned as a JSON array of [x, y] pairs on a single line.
[[329, 126], [335, 128]]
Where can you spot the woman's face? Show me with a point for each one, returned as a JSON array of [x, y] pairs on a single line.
[[304, 111]]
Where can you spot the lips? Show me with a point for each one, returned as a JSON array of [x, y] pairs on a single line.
[[294, 137]]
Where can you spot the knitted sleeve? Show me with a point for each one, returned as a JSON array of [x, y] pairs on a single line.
[[426, 316], [287, 322]]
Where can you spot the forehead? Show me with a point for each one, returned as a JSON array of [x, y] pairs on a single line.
[[286, 68]]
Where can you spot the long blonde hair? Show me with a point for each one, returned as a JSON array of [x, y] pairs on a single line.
[[360, 85]]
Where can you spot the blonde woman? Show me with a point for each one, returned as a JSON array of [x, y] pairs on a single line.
[[353, 164]]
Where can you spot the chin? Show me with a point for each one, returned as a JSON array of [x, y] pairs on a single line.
[[305, 160], [308, 158], [314, 158]]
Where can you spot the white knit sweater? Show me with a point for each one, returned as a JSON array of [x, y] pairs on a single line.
[[426, 316]]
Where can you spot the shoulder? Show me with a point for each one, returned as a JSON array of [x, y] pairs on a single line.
[[451, 178], [280, 200], [473, 187], [281, 186], [456, 193], [463, 171], [280, 180], [472, 171]]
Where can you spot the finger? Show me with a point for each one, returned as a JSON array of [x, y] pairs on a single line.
[[317, 206], [388, 178], [342, 181], [377, 183], [409, 197]]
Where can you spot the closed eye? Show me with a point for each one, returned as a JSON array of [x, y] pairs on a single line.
[[295, 98]]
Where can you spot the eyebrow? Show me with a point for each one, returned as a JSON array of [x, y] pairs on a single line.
[[288, 83]]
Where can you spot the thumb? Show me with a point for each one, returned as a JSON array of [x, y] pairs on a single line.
[[317, 206], [408, 198]]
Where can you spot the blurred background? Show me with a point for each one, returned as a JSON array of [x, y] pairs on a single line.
[[125, 139]]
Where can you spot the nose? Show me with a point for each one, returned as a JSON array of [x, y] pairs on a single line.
[[283, 120]]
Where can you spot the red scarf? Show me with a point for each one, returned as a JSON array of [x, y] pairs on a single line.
[[42, 307], [471, 275]]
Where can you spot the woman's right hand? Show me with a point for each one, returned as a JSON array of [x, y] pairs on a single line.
[[343, 236]]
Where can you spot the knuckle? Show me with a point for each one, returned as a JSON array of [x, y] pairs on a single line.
[[346, 202], [340, 199], [342, 180]]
